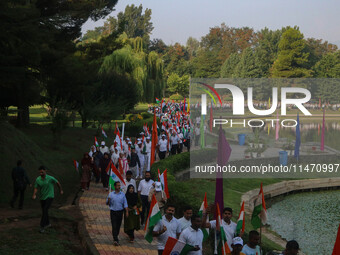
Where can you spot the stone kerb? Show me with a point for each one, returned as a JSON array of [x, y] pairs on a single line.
[[286, 187]]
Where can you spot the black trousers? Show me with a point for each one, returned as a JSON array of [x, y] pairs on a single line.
[[161, 154], [45, 205], [160, 252], [174, 149], [16, 192], [145, 208], [105, 180], [116, 222], [179, 148], [187, 144]]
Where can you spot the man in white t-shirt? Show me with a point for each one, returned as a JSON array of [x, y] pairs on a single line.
[[163, 144], [180, 145], [143, 190], [228, 225], [167, 226], [148, 153], [174, 142], [104, 149], [193, 235], [141, 156], [185, 221], [129, 181], [252, 247]]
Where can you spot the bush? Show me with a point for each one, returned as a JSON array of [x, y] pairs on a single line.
[[176, 97], [174, 164], [146, 115]]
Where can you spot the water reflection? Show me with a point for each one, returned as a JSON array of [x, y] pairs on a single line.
[[310, 218], [311, 132]]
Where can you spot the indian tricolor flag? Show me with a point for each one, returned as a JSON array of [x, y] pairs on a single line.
[[153, 218], [118, 141], [76, 165], [103, 133], [176, 247], [241, 221], [115, 176], [164, 180], [96, 142], [223, 247], [259, 215], [202, 210], [157, 100], [116, 129]]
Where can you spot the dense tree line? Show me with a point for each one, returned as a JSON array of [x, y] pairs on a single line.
[[106, 71]]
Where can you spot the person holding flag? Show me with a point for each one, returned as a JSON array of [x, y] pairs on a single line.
[[193, 235], [117, 202], [228, 225], [156, 190], [165, 228]]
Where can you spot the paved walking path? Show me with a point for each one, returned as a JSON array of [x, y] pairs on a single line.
[[98, 225]]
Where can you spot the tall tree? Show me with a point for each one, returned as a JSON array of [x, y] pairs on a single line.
[[292, 60]]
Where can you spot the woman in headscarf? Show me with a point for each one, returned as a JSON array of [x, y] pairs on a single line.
[[132, 222], [86, 166], [104, 163]]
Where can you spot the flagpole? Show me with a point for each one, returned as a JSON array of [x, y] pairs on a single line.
[[123, 127], [261, 234]]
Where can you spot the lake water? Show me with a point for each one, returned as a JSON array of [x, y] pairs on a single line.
[[312, 219]]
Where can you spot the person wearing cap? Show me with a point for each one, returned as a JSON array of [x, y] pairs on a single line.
[[174, 142], [129, 181], [185, 221], [103, 149], [237, 245], [162, 145], [252, 247], [143, 190], [126, 144], [160, 195], [193, 235], [148, 152], [141, 157], [127, 150], [292, 248], [134, 162]]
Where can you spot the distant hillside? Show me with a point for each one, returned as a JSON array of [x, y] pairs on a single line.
[[35, 147]]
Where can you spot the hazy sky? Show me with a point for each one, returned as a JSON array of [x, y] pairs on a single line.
[[176, 20]]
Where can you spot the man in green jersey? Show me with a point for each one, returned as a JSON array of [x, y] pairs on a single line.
[[45, 184]]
